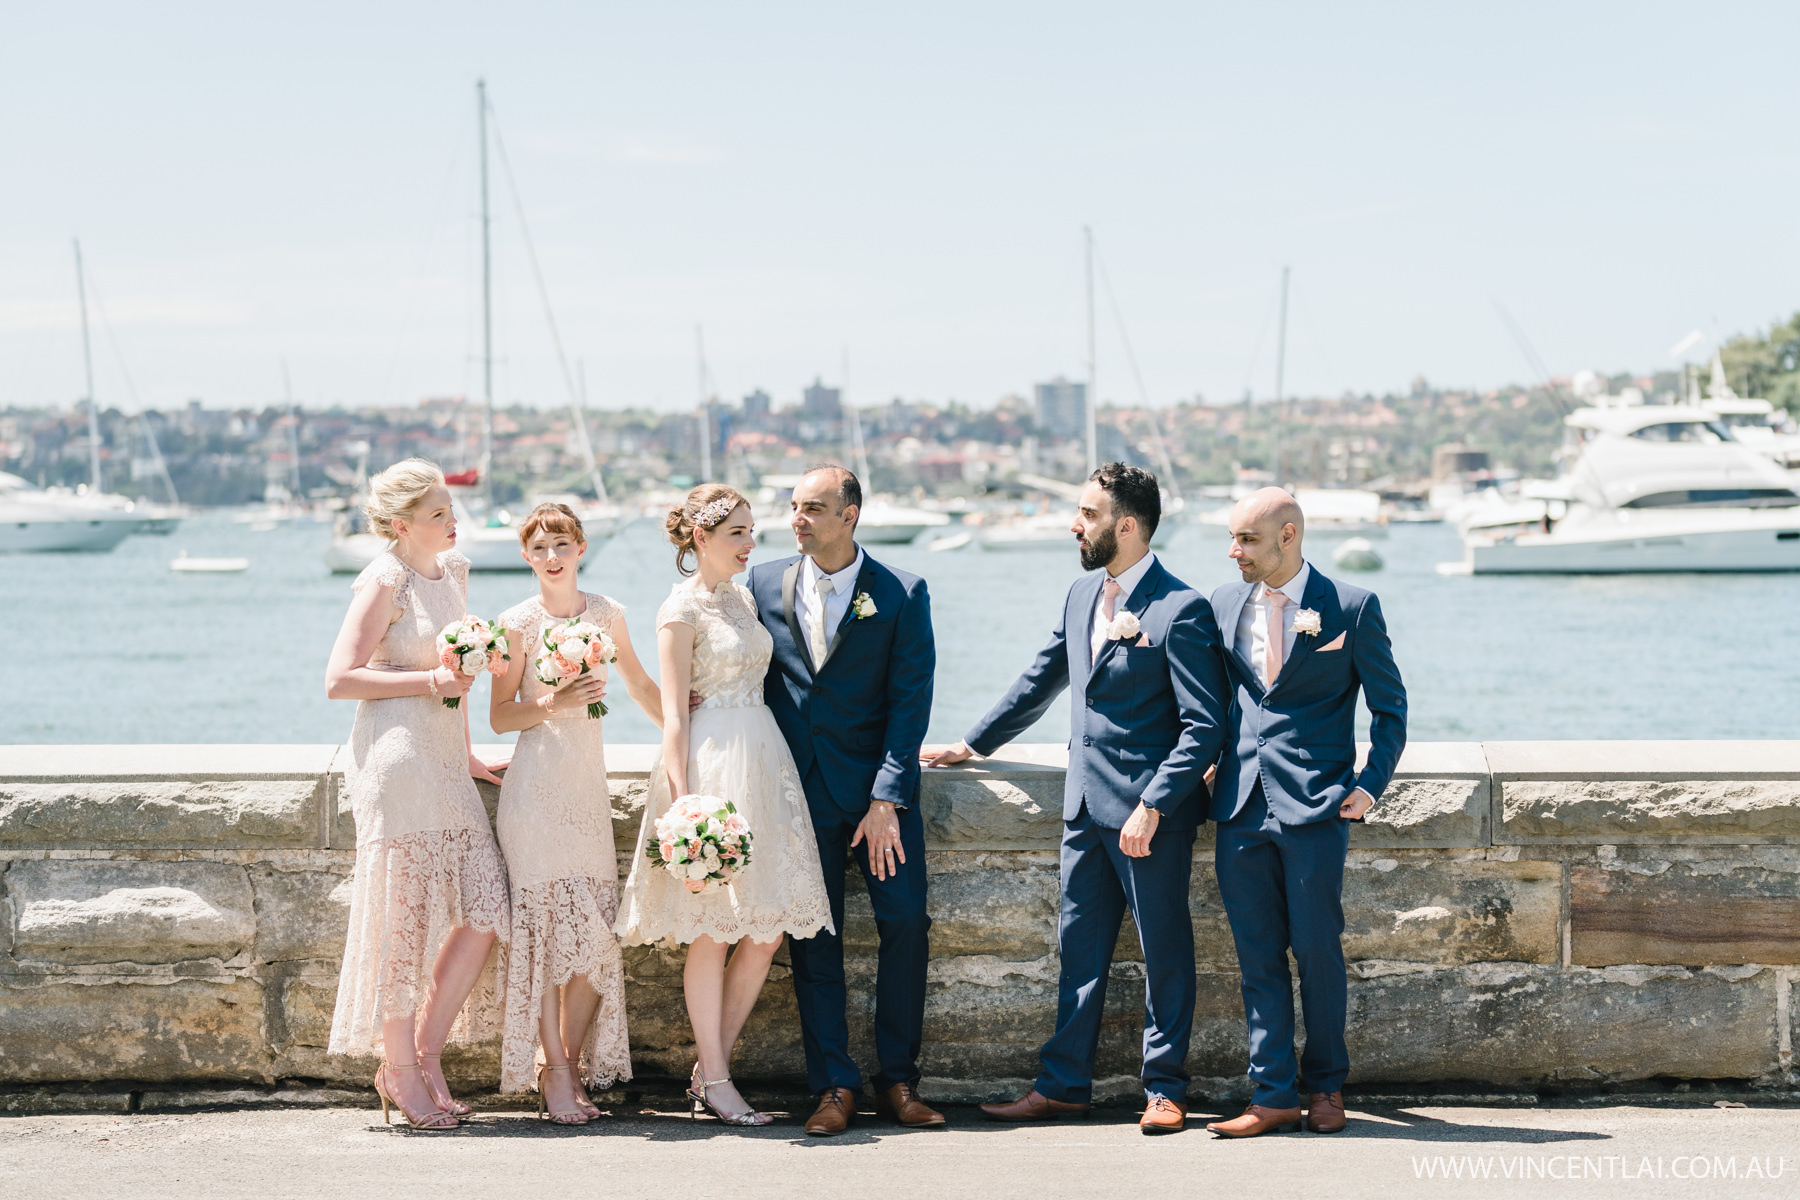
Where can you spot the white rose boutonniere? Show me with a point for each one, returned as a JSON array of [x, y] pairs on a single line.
[[1124, 627], [862, 606], [1306, 621]]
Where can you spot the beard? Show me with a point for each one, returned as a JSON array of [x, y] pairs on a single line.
[[1101, 548]]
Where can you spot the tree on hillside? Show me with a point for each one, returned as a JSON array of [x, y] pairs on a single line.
[[1767, 366]]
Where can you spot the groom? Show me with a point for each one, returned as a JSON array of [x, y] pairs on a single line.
[[1139, 651], [850, 686], [1298, 647]]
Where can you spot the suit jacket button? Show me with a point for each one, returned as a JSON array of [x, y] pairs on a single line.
[[1087, 741], [1090, 701], [1259, 741]]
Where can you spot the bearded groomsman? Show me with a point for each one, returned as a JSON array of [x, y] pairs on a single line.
[[1139, 651], [1298, 648]]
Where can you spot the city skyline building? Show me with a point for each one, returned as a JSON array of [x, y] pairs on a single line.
[[1061, 407]]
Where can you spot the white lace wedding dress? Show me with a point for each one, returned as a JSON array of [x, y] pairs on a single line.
[[425, 856], [735, 752], [555, 828]]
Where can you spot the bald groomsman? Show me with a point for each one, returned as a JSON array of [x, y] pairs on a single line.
[[1298, 647]]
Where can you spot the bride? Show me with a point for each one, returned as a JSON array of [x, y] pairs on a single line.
[[709, 640]]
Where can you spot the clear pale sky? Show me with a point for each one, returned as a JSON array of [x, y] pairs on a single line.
[[908, 181]]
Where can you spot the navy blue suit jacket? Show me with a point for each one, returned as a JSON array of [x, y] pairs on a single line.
[[862, 715], [1145, 720], [1299, 737]]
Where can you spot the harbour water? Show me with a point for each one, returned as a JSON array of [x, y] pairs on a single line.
[[116, 647]]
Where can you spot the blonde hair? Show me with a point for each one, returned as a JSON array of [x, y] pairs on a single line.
[[395, 492], [551, 517], [699, 511]]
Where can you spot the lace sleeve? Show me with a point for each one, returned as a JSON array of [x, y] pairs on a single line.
[[520, 623], [386, 571], [749, 599], [457, 563], [604, 610], [681, 608]]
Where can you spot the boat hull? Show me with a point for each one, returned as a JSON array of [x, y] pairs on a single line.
[[1745, 540], [29, 534]]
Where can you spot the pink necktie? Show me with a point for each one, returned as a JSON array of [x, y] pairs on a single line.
[[1272, 656], [1109, 604]]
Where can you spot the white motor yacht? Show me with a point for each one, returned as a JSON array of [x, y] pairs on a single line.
[[885, 524], [1758, 425], [1652, 488], [33, 520]]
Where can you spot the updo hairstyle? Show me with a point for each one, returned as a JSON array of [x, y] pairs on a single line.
[[395, 492], [706, 507], [551, 517]]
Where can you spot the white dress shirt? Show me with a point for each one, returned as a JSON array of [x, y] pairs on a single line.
[[837, 600], [1127, 581], [1253, 622]]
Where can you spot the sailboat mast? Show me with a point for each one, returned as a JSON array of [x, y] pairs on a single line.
[[287, 391], [487, 311], [1093, 394], [87, 359], [1281, 415], [705, 411]]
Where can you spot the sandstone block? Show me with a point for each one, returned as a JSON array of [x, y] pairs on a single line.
[[104, 911], [1684, 915], [300, 914], [1715, 811], [1429, 812], [974, 810], [157, 1033], [1446, 913], [165, 814], [979, 904], [1508, 1023]]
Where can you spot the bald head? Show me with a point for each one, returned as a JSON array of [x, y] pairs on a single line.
[[1266, 529]]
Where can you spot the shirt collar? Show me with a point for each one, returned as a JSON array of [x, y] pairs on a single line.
[[1294, 589], [838, 578], [1130, 577]]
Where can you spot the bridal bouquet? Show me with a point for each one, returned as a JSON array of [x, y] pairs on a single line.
[[701, 840], [472, 646], [571, 649]]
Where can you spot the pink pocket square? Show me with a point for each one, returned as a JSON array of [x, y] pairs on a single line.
[[1142, 641], [1336, 643]]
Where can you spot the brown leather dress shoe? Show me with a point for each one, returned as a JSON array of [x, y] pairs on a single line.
[[900, 1103], [1163, 1115], [837, 1108], [1032, 1107], [1256, 1121], [1325, 1112]]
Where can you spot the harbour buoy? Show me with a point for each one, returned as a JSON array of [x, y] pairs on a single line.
[[1357, 554]]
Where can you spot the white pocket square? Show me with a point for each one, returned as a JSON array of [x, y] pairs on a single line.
[[1336, 643]]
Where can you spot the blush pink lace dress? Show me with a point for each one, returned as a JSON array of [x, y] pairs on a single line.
[[555, 827], [425, 856], [735, 752]]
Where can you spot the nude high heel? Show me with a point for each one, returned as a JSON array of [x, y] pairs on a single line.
[[432, 1122], [747, 1119], [447, 1102], [576, 1117]]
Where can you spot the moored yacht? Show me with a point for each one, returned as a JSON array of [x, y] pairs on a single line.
[[33, 520], [1652, 488]]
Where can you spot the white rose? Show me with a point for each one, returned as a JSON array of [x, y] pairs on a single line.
[[698, 870], [1306, 621], [1125, 625], [474, 662]]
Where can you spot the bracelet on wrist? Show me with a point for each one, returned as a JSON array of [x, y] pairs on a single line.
[[431, 681]]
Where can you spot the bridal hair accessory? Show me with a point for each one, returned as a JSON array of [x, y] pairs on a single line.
[[701, 840], [1306, 621], [711, 514], [469, 647], [1123, 627], [863, 606]]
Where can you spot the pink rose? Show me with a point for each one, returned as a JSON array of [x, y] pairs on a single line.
[[594, 650], [667, 850], [694, 885], [735, 823], [448, 657], [563, 665]]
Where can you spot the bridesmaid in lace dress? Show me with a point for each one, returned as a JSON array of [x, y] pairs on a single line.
[[565, 980], [429, 894], [709, 640]]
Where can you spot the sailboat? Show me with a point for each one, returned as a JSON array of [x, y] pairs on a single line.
[[34, 519], [485, 531]]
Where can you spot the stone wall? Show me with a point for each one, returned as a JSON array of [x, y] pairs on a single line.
[[1520, 915]]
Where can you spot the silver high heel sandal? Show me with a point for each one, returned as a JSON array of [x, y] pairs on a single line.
[[746, 1119]]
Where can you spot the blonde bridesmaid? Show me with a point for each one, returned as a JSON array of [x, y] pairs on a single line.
[[429, 894]]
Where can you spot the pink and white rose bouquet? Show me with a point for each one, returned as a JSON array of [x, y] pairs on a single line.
[[572, 649], [471, 646], [701, 840]]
